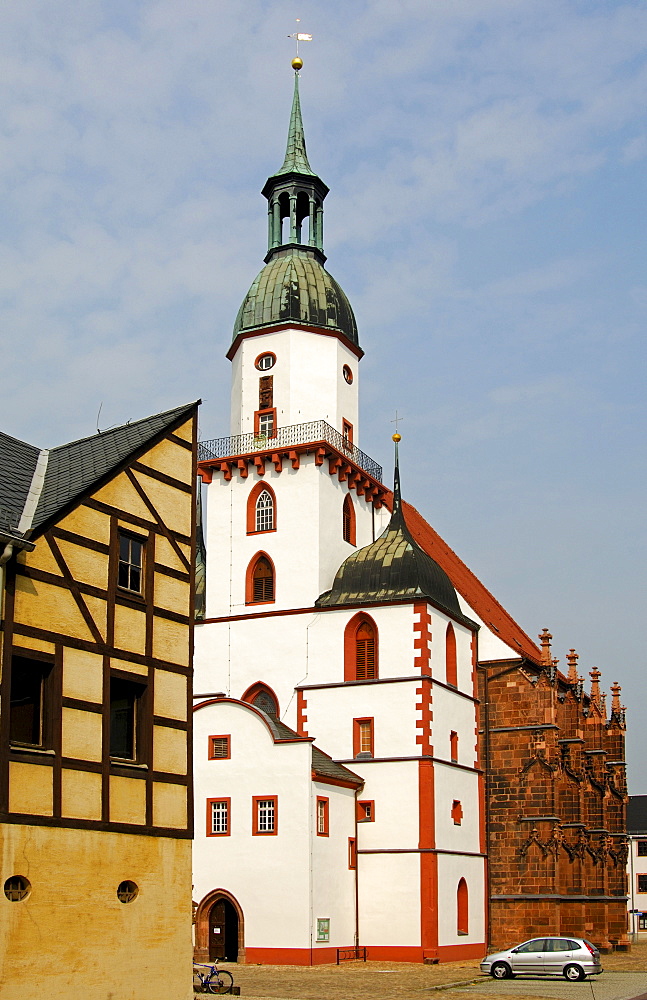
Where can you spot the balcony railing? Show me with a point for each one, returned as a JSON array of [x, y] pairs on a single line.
[[288, 437]]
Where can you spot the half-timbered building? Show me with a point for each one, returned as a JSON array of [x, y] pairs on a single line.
[[95, 781]]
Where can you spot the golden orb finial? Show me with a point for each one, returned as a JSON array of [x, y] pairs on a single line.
[[396, 438], [297, 63]]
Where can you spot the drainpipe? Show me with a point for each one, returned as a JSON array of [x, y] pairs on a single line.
[[486, 790], [356, 874], [7, 554]]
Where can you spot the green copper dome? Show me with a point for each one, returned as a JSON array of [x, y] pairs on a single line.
[[394, 567], [294, 287]]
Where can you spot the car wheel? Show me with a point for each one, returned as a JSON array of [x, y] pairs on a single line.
[[574, 973], [501, 970]]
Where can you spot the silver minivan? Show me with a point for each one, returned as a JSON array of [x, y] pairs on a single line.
[[573, 958]]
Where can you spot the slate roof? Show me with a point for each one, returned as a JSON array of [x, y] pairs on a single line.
[[17, 464], [76, 468], [637, 814]]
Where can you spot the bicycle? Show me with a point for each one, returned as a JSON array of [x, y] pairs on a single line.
[[214, 981]]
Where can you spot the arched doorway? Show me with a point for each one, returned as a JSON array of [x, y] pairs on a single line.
[[223, 932], [219, 928]]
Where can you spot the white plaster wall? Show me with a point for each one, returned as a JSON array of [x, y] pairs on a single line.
[[330, 712], [438, 629], [393, 786], [389, 899], [266, 874], [452, 712], [490, 647], [453, 783], [333, 883], [306, 548], [451, 868], [396, 651], [308, 381]]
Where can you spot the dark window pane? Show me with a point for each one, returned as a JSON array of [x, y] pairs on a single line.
[[26, 700], [642, 848], [124, 701], [129, 570]]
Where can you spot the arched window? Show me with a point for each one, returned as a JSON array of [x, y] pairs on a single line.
[[360, 649], [261, 509], [261, 696], [260, 580], [348, 520], [462, 919], [451, 671]]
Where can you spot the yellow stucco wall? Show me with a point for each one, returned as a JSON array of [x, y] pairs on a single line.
[[73, 938]]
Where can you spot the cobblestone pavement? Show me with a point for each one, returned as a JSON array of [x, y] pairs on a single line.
[[624, 978]]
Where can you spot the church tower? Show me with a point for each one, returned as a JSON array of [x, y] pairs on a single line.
[[292, 456]]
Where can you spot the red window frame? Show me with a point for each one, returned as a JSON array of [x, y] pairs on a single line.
[[211, 755], [457, 812], [256, 799], [360, 728], [366, 811], [210, 831], [322, 810], [453, 747], [251, 509], [347, 431], [348, 521], [451, 665], [352, 853], [351, 651], [257, 421], [249, 579]]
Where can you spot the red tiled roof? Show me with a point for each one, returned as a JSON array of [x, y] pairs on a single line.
[[479, 598]]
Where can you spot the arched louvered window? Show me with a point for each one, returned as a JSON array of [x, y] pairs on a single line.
[[462, 917], [348, 520], [260, 580], [264, 512], [451, 672], [365, 652], [361, 652]]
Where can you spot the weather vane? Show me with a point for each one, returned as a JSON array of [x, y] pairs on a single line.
[[299, 36]]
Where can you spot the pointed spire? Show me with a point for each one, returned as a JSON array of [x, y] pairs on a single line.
[[615, 698], [397, 498], [571, 658], [544, 638], [296, 158], [595, 675]]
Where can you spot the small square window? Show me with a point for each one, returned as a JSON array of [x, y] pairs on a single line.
[[125, 719], [641, 848], [219, 748], [366, 811], [642, 883], [218, 817], [323, 928], [130, 572]]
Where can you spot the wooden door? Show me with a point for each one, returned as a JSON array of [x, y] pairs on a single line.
[[217, 918]]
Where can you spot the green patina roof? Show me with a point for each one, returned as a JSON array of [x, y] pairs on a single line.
[[391, 568], [294, 287], [296, 158]]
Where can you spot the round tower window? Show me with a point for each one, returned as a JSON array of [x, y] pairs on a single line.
[[265, 361], [127, 891], [348, 375], [16, 888]]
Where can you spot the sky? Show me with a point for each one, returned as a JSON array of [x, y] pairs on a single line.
[[486, 218]]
